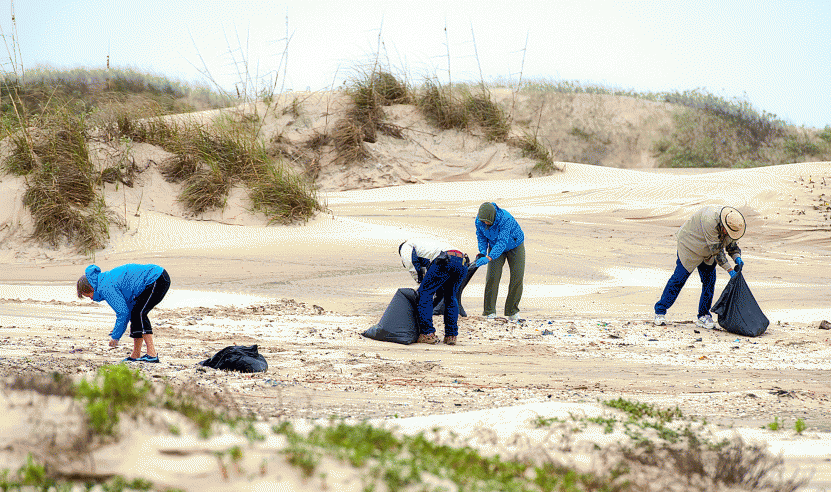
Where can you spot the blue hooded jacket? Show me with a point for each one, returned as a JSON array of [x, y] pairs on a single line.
[[503, 235], [120, 287]]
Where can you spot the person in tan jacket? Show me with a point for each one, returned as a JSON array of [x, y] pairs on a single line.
[[702, 242]]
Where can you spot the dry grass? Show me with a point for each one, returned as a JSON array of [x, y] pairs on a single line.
[[205, 190], [61, 192], [283, 196], [440, 109], [489, 115], [531, 147], [348, 142]]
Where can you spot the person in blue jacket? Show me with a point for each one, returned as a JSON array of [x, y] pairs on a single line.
[[500, 238], [132, 291]]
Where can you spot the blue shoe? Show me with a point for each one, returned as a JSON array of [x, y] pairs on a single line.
[[147, 358], [129, 359]]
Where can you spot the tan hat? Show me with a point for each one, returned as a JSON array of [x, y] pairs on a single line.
[[733, 222]]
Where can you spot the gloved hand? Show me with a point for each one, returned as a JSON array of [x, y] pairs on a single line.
[[481, 261], [739, 264], [732, 273]]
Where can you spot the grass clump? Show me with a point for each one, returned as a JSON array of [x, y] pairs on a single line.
[[465, 112], [208, 162], [116, 389], [530, 146], [282, 195], [441, 109], [369, 93], [489, 115], [61, 182], [638, 410]]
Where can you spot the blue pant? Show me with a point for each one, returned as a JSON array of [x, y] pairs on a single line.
[[679, 278], [445, 275]]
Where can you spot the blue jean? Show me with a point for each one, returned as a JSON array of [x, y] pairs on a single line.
[[445, 275], [679, 278]]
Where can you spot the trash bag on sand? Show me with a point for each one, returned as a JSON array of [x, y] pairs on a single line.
[[399, 323], [738, 311], [237, 358]]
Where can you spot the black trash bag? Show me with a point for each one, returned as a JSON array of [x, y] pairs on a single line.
[[438, 302], [738, 311], [399, 323], [237, 358]]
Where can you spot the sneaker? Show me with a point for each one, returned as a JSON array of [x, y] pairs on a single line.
[[660, 320], [431, 338], [705, 321], [490, 316], [147, 358], [129, 359], [450, 340], [515, 317]]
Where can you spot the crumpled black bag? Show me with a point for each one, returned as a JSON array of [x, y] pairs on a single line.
[[399, 323], [737, 309], [237, 358]]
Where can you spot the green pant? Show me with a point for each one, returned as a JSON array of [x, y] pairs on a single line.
[[516, 263]]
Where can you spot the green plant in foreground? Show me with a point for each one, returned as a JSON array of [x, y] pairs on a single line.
[[400, 462], [34, 476], [115, 389], [639, 410], [799, 426]]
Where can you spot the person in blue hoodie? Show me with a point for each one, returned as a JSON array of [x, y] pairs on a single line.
[[500, 238], [132, 291]]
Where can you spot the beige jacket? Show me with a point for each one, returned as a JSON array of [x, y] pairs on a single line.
[[699, 241]]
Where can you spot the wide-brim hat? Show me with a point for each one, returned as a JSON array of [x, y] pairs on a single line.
[[733, 222]]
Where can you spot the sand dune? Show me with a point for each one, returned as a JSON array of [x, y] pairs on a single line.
[[600, 246]]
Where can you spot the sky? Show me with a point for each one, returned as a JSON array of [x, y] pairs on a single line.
[[774, 54]]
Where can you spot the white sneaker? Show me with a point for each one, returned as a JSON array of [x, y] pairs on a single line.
[[514, 317], [660, 320], [705, 321], [491, 316]]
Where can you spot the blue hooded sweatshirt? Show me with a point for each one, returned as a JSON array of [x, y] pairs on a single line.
[[503, 235], [120, 287]]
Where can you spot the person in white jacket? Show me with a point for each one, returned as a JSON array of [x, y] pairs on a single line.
[[439, 270]]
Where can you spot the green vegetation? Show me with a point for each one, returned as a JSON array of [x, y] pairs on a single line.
[[799, 426], [115, 390], [403, 462]]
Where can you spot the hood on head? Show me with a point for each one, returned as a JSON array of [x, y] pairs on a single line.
[[487, 212], [92, 273]]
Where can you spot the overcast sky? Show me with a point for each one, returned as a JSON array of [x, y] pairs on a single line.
[[774, 54]]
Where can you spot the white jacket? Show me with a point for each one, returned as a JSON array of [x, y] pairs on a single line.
[[425, 247]]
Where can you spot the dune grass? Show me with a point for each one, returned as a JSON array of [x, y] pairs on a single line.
[[209, 160], [62, 192]]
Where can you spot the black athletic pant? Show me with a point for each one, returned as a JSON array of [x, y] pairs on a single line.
[[147, 300]]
